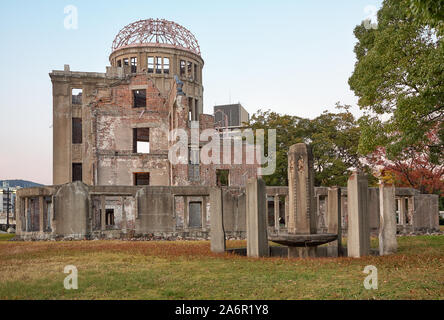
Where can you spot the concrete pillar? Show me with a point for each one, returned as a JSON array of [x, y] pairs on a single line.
[[358, 237], [217, 232], [334, 218], [41, 208], [27, 217], [276, 213], [402, 211], [287, 210], [257, 237], [302, 214], [387, 228], [186, 217], [103, 213]]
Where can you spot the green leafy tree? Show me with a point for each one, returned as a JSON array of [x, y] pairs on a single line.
[[399, 80], [334, 139]]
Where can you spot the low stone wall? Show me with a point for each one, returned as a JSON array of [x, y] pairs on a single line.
[[78, 211]]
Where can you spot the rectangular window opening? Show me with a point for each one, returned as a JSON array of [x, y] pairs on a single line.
[[76, 172], [77, 96], [190, 69], [150, 64], [182, 68], [195, 72], [195, 214], [190, 109], [109, 217], [139, 97], [141, 140], [196, 110], [142, 179], [166, 65], [119, 63], [125, 62], [158, 65], [133, 65], [223, 178], [76, 130]]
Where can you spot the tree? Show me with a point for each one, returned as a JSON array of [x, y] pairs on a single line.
[[414, 171], [333, 136], [430, 12], [399, 81]]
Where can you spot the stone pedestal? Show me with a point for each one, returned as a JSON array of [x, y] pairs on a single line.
[[257, 238], [358, 237], [302, 252], [334, 219], [217, 232], [302, 215], [387, 229]]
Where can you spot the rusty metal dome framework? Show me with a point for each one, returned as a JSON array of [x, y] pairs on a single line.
[[155, 32]]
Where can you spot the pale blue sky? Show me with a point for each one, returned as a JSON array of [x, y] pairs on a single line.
[[292, 57]]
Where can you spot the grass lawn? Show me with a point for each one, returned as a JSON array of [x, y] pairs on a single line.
[[188, 270]]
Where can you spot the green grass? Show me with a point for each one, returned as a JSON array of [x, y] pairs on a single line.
[[188, 270], [6, 236]]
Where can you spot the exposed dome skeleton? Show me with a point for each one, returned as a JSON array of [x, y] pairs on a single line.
[[156, 31]]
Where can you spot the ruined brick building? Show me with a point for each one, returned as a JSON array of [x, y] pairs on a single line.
[[112, 128], [112, 177]]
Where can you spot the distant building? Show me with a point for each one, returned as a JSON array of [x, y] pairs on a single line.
[[233, 115], [7, 196]]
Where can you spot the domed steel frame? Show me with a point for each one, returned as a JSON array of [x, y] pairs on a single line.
[[156, 31]]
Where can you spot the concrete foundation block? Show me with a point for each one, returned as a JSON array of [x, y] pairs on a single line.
[[302, 252]]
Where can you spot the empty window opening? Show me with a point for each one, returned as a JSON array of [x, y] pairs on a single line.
[[141, 140], [190, 109], [166, 65], [150, 64], [182, 67], [76, 130], [109, 217], [158, 65], [77, 96], [196, 109], [223, 178], [76, 172], [195, 72], [139, 97], [193, 164], [195, 214], [190, 69], [142, 179], [133, 65], [270, 211], [119, 63], [125, 62]]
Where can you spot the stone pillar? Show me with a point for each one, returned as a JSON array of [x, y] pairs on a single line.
[[358, 237], [103, 213], [276, 213], [302, 215], [302, 252], [217, 232], [402, 211], [186, 216], [387, 227], [257, 237], [334, 218], [287, 210], [41, 207]]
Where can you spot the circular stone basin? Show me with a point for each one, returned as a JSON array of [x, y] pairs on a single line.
[[302, 240]]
